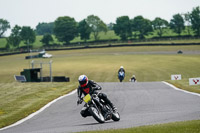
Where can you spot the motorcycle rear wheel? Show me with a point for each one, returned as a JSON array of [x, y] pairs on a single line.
[[96, 114]]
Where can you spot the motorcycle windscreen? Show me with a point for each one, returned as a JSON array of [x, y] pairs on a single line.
[[87, 98]]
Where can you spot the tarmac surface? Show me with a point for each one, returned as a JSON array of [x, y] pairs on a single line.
[[141, 103]]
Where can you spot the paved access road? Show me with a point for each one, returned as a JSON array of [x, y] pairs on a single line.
[[138, 103]]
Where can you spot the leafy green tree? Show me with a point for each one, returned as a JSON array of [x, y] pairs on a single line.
[[110, 26], [159, 24], [141, 26], [47, 38], [195, 20], [65, 29], [177, 23], [122, 27], [84, 30], [187, 22], [96, 25], [14, 39], [43, 28], [27, 35], [7, 46], [4, 26]]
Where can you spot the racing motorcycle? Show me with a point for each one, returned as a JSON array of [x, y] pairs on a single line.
[[121, 76], [100, 111]]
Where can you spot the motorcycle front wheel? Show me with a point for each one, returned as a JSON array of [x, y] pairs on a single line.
[[96, 114]]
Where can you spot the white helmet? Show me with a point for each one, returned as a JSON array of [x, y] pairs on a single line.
[[121, 67], [83, 80]]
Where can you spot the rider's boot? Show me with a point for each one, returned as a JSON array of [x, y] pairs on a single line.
[[105, 98], [113, 108], [111, 105]]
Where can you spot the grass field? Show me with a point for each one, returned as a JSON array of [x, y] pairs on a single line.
[[176, 127], [17, 100], [102, 64]]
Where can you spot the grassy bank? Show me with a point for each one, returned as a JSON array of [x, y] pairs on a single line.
[[184, 84], [176, 127], [18, 100]]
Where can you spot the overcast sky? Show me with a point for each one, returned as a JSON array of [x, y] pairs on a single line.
[[31, 12]]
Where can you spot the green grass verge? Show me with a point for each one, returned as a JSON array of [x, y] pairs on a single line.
[[184, 84], [176, 127], [18, 100]]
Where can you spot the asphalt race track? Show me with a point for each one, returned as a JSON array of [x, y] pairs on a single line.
[[142, 103]]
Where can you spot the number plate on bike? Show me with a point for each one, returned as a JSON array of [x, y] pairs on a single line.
[[87, 98]]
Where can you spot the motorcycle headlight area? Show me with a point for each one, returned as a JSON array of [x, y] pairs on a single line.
[[87, 98]]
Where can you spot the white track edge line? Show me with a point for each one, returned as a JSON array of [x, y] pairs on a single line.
[[37, 112], [193, 93]]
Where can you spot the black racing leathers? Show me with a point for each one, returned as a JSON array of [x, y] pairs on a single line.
[[91, 88]]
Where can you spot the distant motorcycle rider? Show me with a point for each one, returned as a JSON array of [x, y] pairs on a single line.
[[121, 69], [88, 86], [133, 79], [121, 74]]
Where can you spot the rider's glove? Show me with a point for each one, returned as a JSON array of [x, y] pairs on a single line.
[[79, 101]]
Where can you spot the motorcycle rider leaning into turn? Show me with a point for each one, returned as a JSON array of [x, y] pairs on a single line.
[[88, 86]]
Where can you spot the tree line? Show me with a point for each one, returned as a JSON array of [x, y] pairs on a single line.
[[66, 28]]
